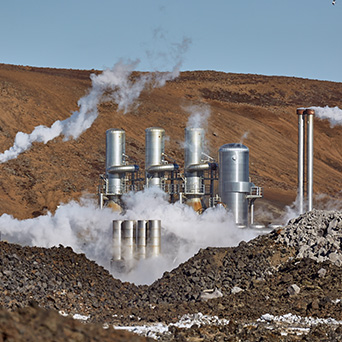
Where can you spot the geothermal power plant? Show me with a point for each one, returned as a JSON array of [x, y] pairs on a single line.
[[202, 183]]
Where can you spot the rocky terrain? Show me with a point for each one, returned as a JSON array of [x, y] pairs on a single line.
[[248, 287], [283, 286]]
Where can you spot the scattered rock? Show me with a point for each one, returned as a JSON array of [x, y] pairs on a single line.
[[236, 290], [293, 289]]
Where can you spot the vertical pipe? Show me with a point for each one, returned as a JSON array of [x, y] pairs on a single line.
[[101, 200], [128, 240], [117, 239], [301, 157], [154, 237], [310, 116], [141, 238], [252, 211]]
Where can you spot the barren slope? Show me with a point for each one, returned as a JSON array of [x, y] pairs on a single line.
[[265, 107]]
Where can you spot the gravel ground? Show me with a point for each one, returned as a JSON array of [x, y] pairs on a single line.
[[252, 287]]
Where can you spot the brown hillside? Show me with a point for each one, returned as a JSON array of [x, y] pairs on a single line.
[[41, 178]]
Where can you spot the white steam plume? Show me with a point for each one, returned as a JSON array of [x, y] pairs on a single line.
[[87, 229], [199, 115], [321, 202], [333, 114], [116, 84], [244, 136]]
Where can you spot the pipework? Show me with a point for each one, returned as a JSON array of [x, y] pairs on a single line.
[[305, 116], [194, 167], [114, 183]]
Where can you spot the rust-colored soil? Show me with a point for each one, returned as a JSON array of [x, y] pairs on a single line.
[[265, 107]]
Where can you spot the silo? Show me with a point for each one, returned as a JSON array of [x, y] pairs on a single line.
[[116, 169], [234, 184], [155, 163], [194, 166], [115, 156]]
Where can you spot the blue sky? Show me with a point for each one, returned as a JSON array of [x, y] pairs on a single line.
[[299, 38]]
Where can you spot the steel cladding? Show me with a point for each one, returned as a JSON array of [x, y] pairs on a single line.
[[308, 116], [154, 237], [136, 239], [234, 185], [141, 238], [154, 154], [155, 146], [115, 156], [194, 143]]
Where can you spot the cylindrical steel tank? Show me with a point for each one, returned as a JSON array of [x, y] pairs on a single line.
[[154, 237], [155, 164], [234, 183], [117, 239], [154, 154], [128, 239], [155, 146], [194, 143], [141, 238], [115, 156]]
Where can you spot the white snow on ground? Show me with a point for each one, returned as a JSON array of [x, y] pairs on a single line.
[[293, 324], [75, 316], [81, 317], [294, 319], [187, 321], [285, 324]]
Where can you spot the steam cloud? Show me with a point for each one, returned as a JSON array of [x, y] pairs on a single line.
[[244, 136], [87, 229], [116, 84], [199, 115], [198, 118], [333, 114]]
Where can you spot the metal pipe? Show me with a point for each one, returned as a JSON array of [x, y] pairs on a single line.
[[122, 169], [310, 118], [161, 168], [101, 200], [301, 157], [154, 237], [252, 212], [117, 239], [141, 238], [198, 167], [128, 240]]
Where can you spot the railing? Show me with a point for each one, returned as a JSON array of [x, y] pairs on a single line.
[[255, 192]]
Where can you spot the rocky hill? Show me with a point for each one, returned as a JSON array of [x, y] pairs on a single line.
[[262, 106]]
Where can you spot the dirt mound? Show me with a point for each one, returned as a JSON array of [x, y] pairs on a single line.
[[251, 286], [35, 324]]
